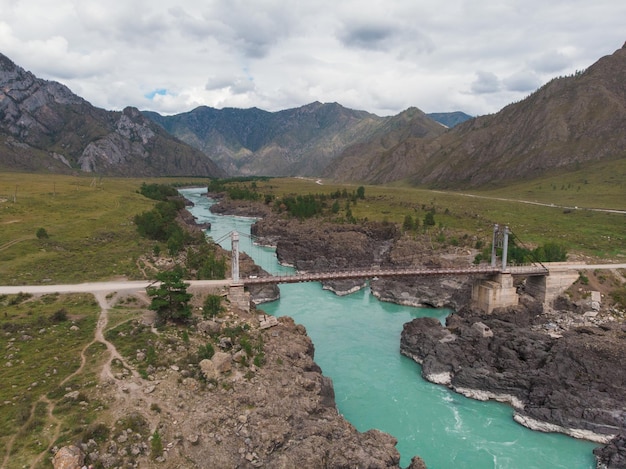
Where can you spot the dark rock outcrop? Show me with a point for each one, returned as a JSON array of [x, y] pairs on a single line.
[[572, 382], [613, 455], [239, 208], [312, 245], [452, 292]]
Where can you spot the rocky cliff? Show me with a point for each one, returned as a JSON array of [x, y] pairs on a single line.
[[46, 127]]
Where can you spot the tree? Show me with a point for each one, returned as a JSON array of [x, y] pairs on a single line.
[[212, 306], [429, 219], [42, 233], [360, 192], [408, 224], [551, 252], [170, 299]]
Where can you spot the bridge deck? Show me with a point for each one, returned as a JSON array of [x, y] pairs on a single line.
[[372, 273]]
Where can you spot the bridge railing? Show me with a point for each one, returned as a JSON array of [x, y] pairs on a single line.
[[384, 273]]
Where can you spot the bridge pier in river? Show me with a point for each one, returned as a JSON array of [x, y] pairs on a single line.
[[495, 292]]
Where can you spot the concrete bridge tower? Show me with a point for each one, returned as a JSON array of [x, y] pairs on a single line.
[[497, 291], [234, 239], [236, 292]]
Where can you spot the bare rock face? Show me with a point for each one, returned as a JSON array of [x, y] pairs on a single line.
[[573, 382], [313, 246], [44, 125], [68, 457]]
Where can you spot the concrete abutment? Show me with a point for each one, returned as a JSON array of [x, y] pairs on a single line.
[[499, 291], [496, 292]]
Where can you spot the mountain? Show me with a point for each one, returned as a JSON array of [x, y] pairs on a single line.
[[46, 127], [293, 142], [373, 161], [566, 124], [449, 119]]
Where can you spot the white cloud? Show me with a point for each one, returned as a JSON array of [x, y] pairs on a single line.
[[552, 61], [524, 82], [485, 82], [382, 56]]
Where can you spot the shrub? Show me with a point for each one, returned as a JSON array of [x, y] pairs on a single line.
[[429, 219], [156, 445], [157, 191], [206, 352], [212, 306], [59, 316], [98, 432], [619, 296], [259, 360], [19, 298], [42, 233]]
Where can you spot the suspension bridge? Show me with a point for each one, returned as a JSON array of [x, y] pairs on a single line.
[[500, 239], [493, 284]]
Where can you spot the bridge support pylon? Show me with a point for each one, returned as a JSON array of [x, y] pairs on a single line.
[[234, 256], [236, 292], [498, 292]]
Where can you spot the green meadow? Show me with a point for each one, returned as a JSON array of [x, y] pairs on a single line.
[[88, 222]]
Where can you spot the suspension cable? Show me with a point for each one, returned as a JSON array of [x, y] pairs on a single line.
[[532, 256]]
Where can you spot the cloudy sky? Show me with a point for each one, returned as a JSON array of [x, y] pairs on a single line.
[[382, 56]]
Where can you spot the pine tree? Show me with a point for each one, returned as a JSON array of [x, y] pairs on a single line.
[[170, 299]]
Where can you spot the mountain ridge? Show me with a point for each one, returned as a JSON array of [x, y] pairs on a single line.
[[46, 127], [292, 142], [567, 122]]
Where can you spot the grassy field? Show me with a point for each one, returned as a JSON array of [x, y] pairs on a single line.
[[88, 221], [42, 350], [594, 234]]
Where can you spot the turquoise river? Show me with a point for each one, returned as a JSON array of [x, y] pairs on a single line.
[[357, 342]]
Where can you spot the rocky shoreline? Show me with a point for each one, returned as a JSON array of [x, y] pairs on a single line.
[[570, 382]]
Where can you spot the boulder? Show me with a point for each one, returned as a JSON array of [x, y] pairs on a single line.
[[222, 362], [209, 327], [68, 457], [208, 369]]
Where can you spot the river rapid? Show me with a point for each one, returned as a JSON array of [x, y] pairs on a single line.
[[357, 342]]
